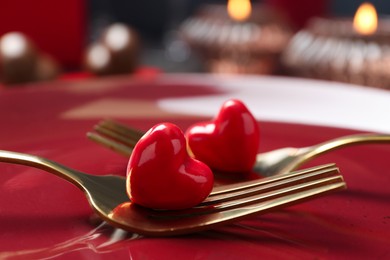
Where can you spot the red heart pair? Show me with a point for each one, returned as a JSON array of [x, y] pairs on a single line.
[[161, 174]]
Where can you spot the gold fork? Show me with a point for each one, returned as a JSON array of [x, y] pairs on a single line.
[[107, 196], [122, 139]]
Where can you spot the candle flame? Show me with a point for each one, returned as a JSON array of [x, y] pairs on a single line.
[[239, 10], [366, 19]]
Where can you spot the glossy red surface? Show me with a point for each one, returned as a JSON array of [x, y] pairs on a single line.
[[161, 174], [42, 216], [229, 142]]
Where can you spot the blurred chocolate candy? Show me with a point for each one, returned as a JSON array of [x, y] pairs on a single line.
[[22, 62], [116, 52], [19, 57], [123, 44]]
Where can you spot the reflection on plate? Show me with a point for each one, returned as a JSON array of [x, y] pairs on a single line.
[[42, 216]]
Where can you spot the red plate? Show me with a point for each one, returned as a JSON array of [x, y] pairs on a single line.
[[42, 216]]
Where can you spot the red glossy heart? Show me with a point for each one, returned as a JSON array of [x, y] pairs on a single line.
[[228, 143], [161, 174]]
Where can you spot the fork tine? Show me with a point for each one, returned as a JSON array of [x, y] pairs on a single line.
[[283, 192], [120, 129], [272, 184], [332, 183], [270, 179], [121, 138], [115, 136], [111, 144], [119, 132]]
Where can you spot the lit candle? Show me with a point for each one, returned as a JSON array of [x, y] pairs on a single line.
[[239, 10], [365, 21]]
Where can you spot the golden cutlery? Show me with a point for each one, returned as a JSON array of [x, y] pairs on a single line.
[[107, 196]]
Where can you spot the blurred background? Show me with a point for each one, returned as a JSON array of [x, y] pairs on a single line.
[[65, 30]]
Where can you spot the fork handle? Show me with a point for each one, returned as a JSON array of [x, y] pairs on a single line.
[[350, 140], [60, 170]]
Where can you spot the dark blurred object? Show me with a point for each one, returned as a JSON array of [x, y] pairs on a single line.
[[22, 62], [57, 28], [148, 17], [115, 52], [347, 8], [252, 46], [299, 12]]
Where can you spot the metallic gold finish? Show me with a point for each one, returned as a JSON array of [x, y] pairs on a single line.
[[280, 161], [107, 196]]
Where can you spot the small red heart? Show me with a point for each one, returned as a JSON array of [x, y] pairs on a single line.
[[161, 174], [228, 143]]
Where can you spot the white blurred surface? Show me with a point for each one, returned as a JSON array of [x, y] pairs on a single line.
[[291, 100]]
